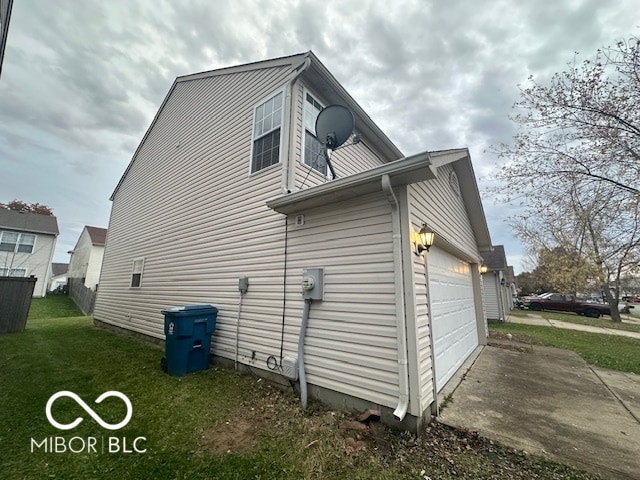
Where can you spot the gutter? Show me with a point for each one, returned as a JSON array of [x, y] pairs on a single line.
[[289, 115], [403, 364]]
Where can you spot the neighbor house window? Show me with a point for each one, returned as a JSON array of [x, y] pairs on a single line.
[[313, 149], [136, 272], [17, 242], [13, 272], [267, 121]]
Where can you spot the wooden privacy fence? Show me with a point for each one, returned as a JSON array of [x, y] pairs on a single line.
[[15, 301], [83, 297]]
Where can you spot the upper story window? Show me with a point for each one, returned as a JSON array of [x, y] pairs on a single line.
[[313, 150], [17, 242], [267, 122]]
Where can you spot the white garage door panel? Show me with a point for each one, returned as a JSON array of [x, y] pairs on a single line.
[[453, 313]]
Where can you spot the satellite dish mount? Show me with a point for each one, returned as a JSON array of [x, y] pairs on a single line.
[[334, 126]]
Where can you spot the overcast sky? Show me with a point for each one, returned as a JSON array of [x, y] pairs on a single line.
[[82, 80]]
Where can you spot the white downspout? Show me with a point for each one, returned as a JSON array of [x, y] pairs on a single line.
[[290, 117], [403, 364]]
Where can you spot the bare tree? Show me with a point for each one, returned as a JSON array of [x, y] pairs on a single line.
[[575, 164]]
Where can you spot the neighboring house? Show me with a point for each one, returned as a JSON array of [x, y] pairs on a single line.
[[5, 16], [86, 256], [498, 284], [27, 243], [228, 182], [58, 275]]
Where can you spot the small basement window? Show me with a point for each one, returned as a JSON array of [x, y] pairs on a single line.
[[13, 272], [136, 273]]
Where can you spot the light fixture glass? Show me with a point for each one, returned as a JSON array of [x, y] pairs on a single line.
[[427, 236], [483, 268]]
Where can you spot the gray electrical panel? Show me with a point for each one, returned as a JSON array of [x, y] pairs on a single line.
[[243, 284], [313, 283]]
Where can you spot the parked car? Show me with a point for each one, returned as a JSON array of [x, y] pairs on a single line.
[[568, 303]]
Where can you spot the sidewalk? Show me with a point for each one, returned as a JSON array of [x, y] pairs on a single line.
[[534, 319]]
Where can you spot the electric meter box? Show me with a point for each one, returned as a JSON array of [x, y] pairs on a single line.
[[313, 283]]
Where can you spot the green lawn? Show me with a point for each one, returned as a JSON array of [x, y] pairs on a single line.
[[53, 306], [211, 424], [604, 322], [602, 350]]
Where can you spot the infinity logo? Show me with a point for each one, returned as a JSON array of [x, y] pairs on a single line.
[[89, 410]]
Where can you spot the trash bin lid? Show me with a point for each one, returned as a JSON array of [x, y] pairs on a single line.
[[189, 309]]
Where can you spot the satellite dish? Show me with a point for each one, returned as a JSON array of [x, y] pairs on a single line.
[[334, 126]]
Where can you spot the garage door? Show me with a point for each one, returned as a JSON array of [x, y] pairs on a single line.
[[455, 332]]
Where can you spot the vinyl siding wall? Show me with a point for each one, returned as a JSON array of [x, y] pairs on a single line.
[[189, 207], [491, 296], [37, 263], [346, 161], [351, 344], [86, 261], [435, 203]]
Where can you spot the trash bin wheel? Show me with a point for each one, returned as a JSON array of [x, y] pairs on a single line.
[[163, 364]]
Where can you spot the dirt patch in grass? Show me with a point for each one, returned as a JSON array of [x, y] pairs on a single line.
[[237, 436]]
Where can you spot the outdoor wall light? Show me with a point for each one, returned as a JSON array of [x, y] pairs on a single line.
[[483, 268], [426, 236]]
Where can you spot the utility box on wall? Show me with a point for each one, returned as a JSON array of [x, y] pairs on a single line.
[[313, 283]]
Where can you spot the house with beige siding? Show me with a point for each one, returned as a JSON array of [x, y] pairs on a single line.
[[86, 257], [230, 182], [498, 281], [27, 243]]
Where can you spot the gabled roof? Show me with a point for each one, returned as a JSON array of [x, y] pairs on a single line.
[[495, 259], [59, 269], [97, 235], [413, 169], [315, 75], [28, 222]]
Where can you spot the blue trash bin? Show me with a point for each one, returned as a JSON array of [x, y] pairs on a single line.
[[187, 333]]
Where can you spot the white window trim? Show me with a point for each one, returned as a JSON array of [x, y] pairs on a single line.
[[253, 132], [303, 136], [14, 269], [20, 234], [133, 266]]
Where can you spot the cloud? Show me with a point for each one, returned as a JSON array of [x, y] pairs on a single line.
[[83, 80]]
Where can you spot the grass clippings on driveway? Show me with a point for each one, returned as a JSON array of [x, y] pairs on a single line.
[[211, 424]]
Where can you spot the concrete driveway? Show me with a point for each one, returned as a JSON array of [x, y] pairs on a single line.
[[549, 402]]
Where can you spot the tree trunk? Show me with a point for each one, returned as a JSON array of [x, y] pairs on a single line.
[[613, 303]]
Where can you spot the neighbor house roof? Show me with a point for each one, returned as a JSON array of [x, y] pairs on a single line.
[[413, 169], [59, 269], [28, 222], [316, 75], [495, 259], [98, 235]]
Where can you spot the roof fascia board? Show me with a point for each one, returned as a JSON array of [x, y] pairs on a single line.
[[472, 200], [290, 61], [401, 172]]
